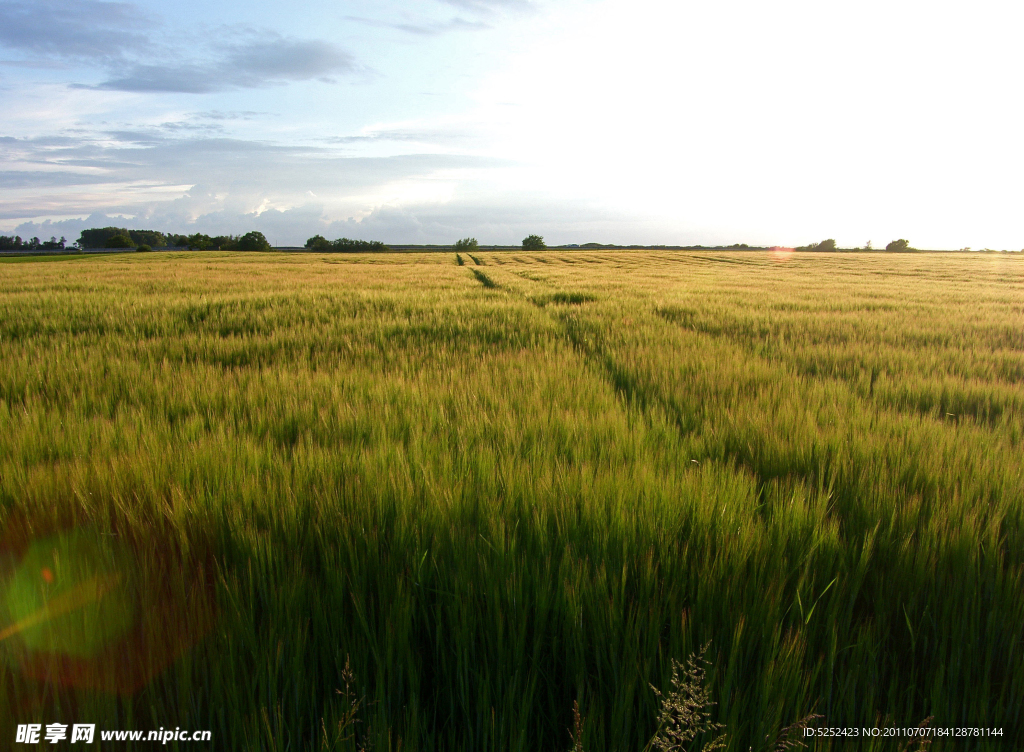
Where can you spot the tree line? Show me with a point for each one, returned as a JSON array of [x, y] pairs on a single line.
[[15, 243], [120, 237], [530, 243], [344, 245], [145, 240], [896, 246], [142, 240]]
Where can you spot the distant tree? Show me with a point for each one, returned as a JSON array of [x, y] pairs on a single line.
[[867, 246], [533, 243], [199, 242], [101, 237], [825, 246], [466, 244], [144, 248], [898, 246], [15, 243], [253, 241], [224, 243], [121, 240], [319, 243], [345, 245], [147, 237]]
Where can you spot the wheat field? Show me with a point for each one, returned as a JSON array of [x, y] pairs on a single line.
[[420, 502]]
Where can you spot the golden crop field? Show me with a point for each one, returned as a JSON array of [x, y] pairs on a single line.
[[420, 502]]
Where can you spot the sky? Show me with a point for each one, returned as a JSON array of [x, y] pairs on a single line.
[[426, 121]]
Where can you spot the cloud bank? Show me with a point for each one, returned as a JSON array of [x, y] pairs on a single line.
[[126, 44], [161, 179], [83, 29], [263, 62]]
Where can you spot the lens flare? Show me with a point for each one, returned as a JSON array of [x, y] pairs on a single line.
[[88, 609], [74, 599], [79, 605]]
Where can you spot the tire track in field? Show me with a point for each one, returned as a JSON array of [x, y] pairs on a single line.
[[823, 471], [828, 472], [586, 340], [720, 260], [486, 281], [631, 388], [983, 412], [638, 392]]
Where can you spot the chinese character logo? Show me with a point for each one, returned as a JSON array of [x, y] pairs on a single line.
[[83, 732], [56, 732], [28, 733]]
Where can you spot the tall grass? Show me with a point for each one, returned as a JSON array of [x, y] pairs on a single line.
[[476, 507]]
